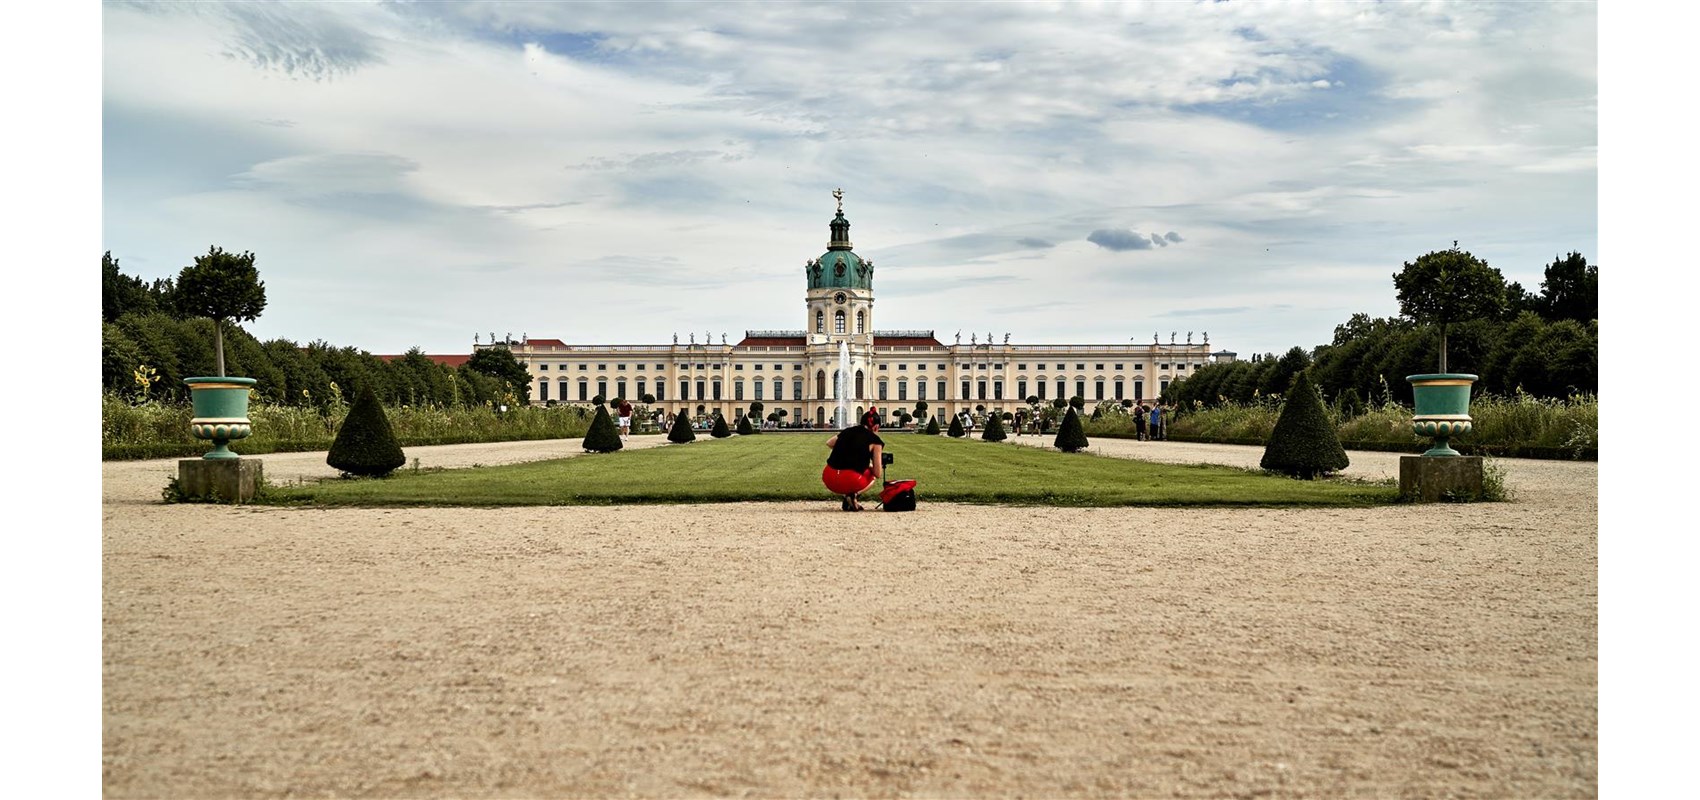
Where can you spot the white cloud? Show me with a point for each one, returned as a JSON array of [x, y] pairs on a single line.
[[607, 145]]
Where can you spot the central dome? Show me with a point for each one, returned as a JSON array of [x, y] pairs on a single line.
[[840, 267]]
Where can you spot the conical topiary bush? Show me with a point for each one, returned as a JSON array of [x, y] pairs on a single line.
[[365, 444], [956, 431], [681, 431], [602, 437], [1071, 437], [933, 425], [1304, 443], [994, 428], [719, 431], [744, 427]]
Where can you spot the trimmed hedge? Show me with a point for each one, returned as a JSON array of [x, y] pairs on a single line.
[[603, 436], [994, 429], [1071, 437], [365, 445], [1304, 443], [681, 431]]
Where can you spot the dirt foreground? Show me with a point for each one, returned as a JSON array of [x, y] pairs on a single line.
[[787, 650]]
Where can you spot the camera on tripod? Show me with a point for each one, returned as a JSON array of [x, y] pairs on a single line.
[[886, 459]]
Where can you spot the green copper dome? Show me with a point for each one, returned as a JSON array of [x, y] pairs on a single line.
[[840, 267]]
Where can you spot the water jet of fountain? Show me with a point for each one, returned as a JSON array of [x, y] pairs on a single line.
[[842, 415]]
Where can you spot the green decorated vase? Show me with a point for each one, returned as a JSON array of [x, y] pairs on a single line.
[[221, 412], [1443, 408]]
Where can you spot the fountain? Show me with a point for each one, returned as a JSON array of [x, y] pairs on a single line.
[[841, 417]]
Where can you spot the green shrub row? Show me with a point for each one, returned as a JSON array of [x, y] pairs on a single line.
[[1519, 426], [161, 430]]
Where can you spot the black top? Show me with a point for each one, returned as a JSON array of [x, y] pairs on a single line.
[[852, 452]]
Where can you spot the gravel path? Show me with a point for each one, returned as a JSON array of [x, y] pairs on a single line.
[[782, 650]]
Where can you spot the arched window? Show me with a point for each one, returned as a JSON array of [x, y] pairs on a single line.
[[836, 375], [859, 390], [820, 384], [838, 322], [861, 322], [820, 322]]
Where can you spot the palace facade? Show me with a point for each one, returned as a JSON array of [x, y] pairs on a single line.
[[798, 370]]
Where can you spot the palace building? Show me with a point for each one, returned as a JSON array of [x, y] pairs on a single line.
[[799, 370]]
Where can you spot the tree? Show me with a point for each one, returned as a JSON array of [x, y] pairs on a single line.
[[1071, 437], [755, 411], [933, 425], [719, 431], [1446, 287], [921, 409], [365, 445], [1304, 443], [744, 426], [602, 437], [499, 363], [1571, 290], [681, 431], [994, 429], [122, 294], [221, 286], [956, 431]]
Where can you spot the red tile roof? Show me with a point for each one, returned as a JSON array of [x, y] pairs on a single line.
[[545, 343], [771, 341], [447, 361], [906, 341]]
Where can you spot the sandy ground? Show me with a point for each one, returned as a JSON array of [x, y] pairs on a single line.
[[784, 650]]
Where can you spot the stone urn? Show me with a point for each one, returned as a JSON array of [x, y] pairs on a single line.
[[1442, 408], [221, 412]]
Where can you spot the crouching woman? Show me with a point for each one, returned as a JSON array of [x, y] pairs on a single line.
[[855, 462]]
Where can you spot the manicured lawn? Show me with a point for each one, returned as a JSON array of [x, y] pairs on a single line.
[[788, 467]]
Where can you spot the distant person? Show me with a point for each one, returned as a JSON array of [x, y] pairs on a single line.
[[1020, 417], [1139, 413], [855, 462], [1156, 422], [625, 419]]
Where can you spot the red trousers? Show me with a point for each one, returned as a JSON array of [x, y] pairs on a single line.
[[846, 481]]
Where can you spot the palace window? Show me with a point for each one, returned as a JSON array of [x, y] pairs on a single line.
[[796, 390], [1080, 389], [921, 389], [941, 390], [1021, 390], [602, 388], [1099, 389], [1100, 367], [642, 385], [778, 389], [702, 390], [641, 366], [902, 389], [837, 322], [737, 390], [620, 388], [1162, 387], [997, 390], [982, 388], [902, 367], [820, 384], [860, 392], [583, 367], [717, 390], [543, 391], [964, 395], [861, 322], [660, 391], [684, 390], [738, 367], [820, 322], [583, 390], [758, 387], [1062, 389], [882, 389], [1121, 389], [543, 368], [1139, 390]]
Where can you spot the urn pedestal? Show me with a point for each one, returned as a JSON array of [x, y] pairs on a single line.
[[221, 412], [1442, 408]]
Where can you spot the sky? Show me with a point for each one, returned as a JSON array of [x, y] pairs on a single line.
[[418, 174]]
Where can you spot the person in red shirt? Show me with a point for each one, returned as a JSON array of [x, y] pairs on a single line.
[[856, 460], [625, 419]]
